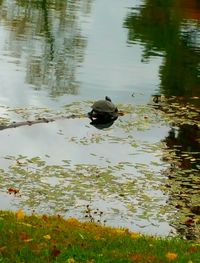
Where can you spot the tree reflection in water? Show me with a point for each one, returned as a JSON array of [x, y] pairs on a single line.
[[47, 35], [170, 29], [164, 30], [184, 181]]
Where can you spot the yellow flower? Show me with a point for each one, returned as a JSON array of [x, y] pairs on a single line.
[[171, 256]]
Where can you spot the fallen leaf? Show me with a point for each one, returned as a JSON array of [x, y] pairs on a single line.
[[193, 249], [45, 218], [97, 237], [135, 235], [55, 252], [23, 236], [151, 259], [28, 240], [119, 231], [136, 257], [47, 237], [26, 224], [13, 190], [189, 222], [72, 221], [20, 214], [70, 260], [2, 249], [171, 256]]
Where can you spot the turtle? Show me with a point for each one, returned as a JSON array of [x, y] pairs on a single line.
[[103, 109]]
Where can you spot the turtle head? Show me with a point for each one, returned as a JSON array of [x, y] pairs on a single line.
[[107, 98]]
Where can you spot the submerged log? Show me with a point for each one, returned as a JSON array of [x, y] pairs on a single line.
[[39, 120]]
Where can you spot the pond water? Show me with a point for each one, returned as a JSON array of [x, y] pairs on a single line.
[[56, 58]]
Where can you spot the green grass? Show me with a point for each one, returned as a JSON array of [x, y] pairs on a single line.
[[53, 239]]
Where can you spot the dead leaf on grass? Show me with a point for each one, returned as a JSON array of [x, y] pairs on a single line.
[[2, 249], [55, 252], [47, 237], [20, 214], [171, 256]]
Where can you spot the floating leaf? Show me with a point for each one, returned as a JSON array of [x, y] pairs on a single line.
[[13, 190]]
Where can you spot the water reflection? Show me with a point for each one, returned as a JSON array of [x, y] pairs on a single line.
[[185, 139], [119, 169], [103, 123], [46, 36], [170, 30], [183, 174]]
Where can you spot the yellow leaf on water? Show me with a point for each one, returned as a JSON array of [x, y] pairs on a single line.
[[48, 237], [171, 256], [20, 214]]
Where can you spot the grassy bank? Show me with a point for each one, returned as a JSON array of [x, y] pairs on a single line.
[[53, 239]]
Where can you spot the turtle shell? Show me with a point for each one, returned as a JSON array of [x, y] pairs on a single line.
[[104, 106]]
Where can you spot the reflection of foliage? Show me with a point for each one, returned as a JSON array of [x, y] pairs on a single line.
[[180, 111], [158, 26], [183, 155], [184, 187], [151, 25], [54, 45]]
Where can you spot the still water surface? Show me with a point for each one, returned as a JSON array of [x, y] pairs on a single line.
[[56, 57]]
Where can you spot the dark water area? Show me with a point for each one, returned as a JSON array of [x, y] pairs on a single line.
[[56, 59]]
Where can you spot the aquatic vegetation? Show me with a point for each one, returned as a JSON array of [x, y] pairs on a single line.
[[142, 187], [60, 188]]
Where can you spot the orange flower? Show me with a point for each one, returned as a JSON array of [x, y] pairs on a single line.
[[171, 256]]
